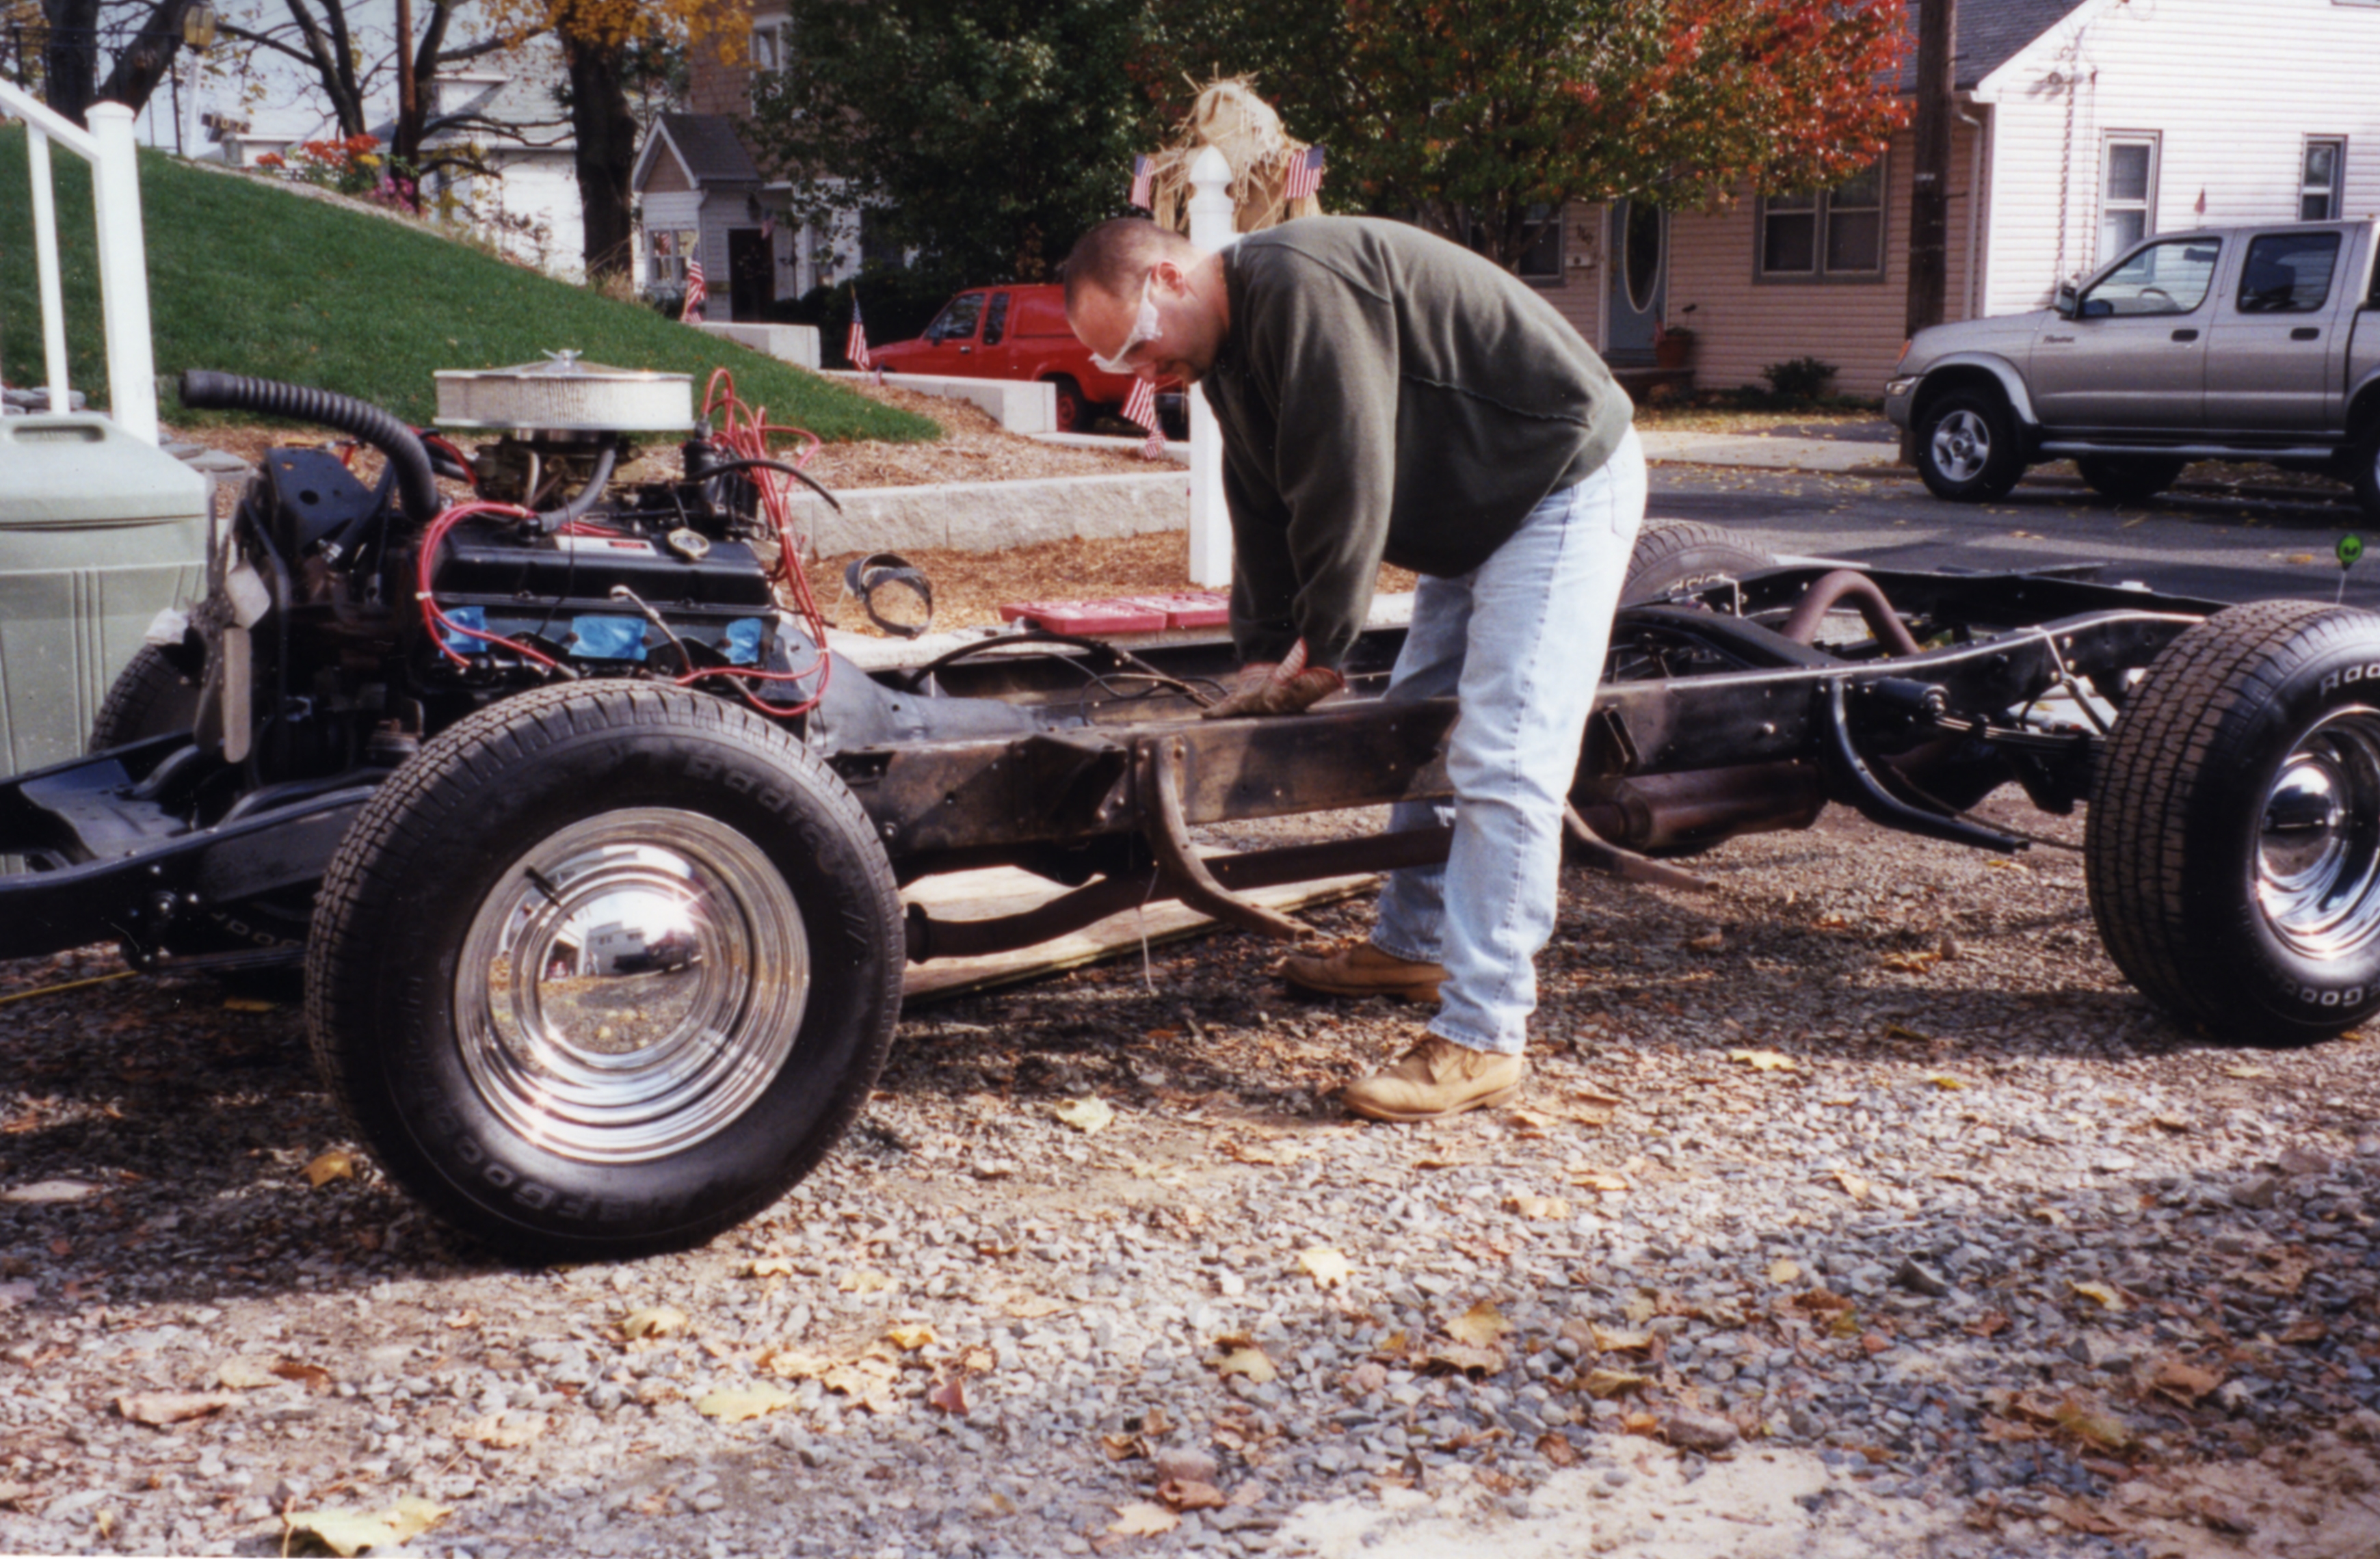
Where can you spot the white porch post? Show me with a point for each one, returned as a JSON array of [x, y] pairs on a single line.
[[46, 265], [1212, 227], [123, 273]]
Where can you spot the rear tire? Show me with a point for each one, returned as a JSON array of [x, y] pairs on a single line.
[[605, 971], [151, 696], [1671, 556], [1075, 414], [2232, 846], [2367, 471], [1967, 449], [2129, 478]]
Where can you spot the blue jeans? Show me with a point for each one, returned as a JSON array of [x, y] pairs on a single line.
[[1520, 642]]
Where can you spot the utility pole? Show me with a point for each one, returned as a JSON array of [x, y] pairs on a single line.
[[407, 99], [1929, 200]]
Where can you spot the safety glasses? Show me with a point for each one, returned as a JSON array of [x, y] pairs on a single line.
[[1144, 331]]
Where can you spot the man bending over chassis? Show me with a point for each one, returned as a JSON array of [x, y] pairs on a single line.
[[1385, 395]]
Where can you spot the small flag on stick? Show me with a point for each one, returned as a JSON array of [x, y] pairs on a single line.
[[854, 346], [1143, 182], [692, 313], [1140, 407], [1305, 175]]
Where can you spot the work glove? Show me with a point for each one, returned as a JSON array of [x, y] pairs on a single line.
[[1282, 688]]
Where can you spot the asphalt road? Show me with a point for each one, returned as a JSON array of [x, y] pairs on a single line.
[[2249, 544]]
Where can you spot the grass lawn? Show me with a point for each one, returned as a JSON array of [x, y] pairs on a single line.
[[250, 279]]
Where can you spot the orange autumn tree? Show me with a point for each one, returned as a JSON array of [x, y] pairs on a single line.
[[1482, 117]]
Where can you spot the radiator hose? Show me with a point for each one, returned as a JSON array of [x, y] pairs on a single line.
[[206, 390]]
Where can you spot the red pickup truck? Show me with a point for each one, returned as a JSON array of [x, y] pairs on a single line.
[[1017, 333]]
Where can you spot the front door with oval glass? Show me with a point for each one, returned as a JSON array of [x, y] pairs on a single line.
[[1638, 277]]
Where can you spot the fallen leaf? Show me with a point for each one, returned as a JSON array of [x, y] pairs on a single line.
[[2095, 1425], [1913, 962], [245, 1374], [1763, 1060], [1611, 1340], [659, 1321], [463, 1320], [336, 1165], [1820, 1302], [1188, 1493], [1033, 1307], [796, 1364], [494, 1431], [770, 1266], [347, 1534], [1605, 1385], [911, 1337], [1537, 1206], [1086, 1114], [1557, 1450], [1480, 1326], [1638, 1423], [735, 1407], [1949, 1083], [313, 1377], [867, 1381], [864, 1281], [1596, 1179], [1143, 1518], [172, 1406], [950, 1396], [1247, 1359], [2183, 1382], [2174, 1123], [2245, 1072], [1326, 1266], [2080, 1516], [1709, 942], [2107, 1298], [1782, 1272], [1853, 1185], [1463, 1357], [2306, 1330], [248, 1003]]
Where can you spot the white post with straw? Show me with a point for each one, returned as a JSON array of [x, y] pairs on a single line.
[[1212, 226]]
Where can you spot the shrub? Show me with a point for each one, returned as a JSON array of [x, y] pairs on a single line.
[[1799, 378]]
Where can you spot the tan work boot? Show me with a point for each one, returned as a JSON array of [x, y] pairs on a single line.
[[1363, 970], [1436, 1078]]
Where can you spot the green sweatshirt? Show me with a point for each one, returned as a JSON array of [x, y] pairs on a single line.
[[1386, 396]]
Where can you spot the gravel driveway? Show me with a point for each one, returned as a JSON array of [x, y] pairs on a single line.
[[1855, 1208]]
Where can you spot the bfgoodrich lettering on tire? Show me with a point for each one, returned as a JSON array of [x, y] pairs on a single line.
[[2232, 847], [605, 970]]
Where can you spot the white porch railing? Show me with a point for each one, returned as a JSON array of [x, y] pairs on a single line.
[[123, 255], [1212, 226]]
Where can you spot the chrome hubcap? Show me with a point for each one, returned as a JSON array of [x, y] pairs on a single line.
[[632, 985], [1962, 445], [2318, 840]]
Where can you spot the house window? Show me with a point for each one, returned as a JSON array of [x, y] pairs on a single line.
[[1826, 232], [878, 243], [1542, 261], [2127, 193], [666, 255], [2320, 179], [768, 46]]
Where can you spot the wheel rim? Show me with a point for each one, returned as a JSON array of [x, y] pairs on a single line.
[[2318, 838], [1962, 445], [667, 971]]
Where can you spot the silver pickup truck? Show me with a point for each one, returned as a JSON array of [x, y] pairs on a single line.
[[2224, 343]]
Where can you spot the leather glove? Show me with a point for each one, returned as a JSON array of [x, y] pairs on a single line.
[[1265, 688]]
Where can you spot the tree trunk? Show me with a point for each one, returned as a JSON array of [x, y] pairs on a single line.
[[70, 62], [149, 58], [606, 153]]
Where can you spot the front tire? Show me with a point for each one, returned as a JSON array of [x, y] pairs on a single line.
[[2232, 846], [605, 971], [1967, 447], [2367, 471], [151, 696], [2129, 478]]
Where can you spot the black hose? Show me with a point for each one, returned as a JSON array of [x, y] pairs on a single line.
[[552, 520], [206, 390]]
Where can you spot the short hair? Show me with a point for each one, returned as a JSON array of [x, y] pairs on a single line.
[[1111, 255]]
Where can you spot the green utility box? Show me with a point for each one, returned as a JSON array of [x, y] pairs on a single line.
[[99, 533]]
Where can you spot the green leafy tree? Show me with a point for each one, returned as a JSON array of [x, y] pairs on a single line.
[[983, 134], [1481, 117]]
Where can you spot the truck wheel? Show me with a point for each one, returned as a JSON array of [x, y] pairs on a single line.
[[1967, 449], [151, 696], [2232, 846], [2129, 478], [1674, 555], [1075, 415], [606, 970]]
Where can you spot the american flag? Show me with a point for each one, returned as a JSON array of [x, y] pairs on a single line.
[[1143, 182], [1140, 406], [692, 312], [1305, 175], [854, 346]]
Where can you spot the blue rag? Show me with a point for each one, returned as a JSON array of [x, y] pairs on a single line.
[[608, 638], [743, 641], [466, 617]]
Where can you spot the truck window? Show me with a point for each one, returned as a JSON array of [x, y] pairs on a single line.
[[2169, 278], [956, 322], [995, 319], [2288, 273]]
